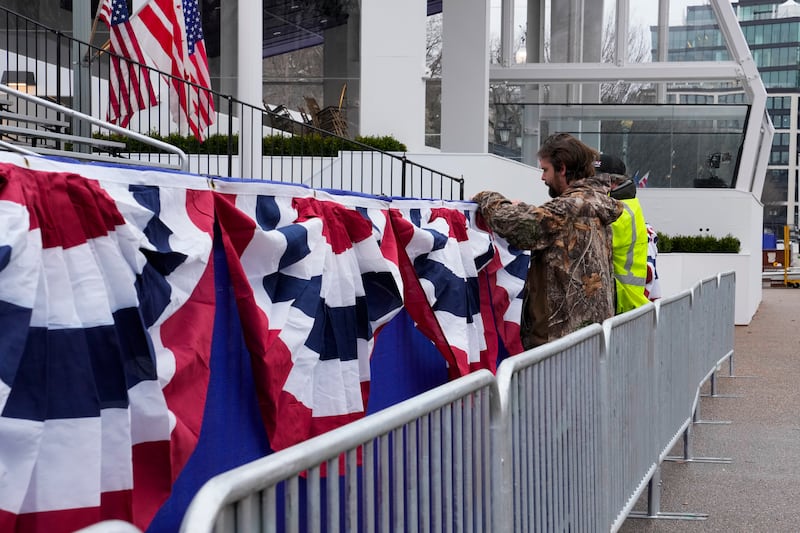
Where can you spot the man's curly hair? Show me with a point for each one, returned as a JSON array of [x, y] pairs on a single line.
[[562, 149]]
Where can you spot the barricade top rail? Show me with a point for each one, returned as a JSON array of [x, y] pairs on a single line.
[[687, 293], [233, 485], [628, 316], [512, 365]]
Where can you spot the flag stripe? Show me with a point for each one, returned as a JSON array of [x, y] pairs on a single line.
[[130, 87]]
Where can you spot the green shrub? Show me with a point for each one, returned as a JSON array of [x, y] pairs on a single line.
[[698, 244], [297, 145]]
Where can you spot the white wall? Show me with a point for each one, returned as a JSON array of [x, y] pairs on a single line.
[[714, 212], [489, 172]]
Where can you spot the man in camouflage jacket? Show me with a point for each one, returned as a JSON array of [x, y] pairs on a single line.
[[570, 281]]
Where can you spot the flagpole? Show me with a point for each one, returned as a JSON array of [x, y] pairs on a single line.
[[92, 32]]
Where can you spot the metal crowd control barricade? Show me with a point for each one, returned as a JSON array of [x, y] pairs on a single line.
[[727, 315], [675, 393], [550, 399], [718, 343], [424, 464], [631, 383], [704, 330]]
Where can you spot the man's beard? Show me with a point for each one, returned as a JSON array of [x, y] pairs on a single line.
[[552, 192]]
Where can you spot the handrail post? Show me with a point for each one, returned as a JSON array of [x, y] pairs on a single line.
[[230, 135], [58, 67], [403, 175]]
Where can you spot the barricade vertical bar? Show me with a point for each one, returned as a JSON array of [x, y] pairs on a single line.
[[458, 510], [436, 471], [368, 496], [411, 477], [351, 490], [500, 512], [523, 407], [313, 509], [247, 516], [447, 461], [604, 454], [268, 513], [384, 496], [549, 427], [573, 455], [332, 495], [473, 489], [532, 389], [557, 365], [226, 521], [398, 489], [486, 462], [292, 504], [519, 464], [425, 474]]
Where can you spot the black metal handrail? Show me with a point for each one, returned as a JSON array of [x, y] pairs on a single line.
[[290, 150]]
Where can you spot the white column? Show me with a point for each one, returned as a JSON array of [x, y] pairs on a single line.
[[465, 76], [249, 87], [392, 70], [81, 84]]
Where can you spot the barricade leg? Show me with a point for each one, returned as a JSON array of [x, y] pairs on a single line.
[[730, 370], [688, 455], [713, 393], [654, 504]]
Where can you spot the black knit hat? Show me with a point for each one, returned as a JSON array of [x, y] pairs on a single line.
[[610, 164]]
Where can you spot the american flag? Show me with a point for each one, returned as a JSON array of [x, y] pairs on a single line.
[[159, 27], [130, 88], [201, 105], [171, 35]]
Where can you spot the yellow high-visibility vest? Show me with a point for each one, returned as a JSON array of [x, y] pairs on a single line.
[[630, 256]]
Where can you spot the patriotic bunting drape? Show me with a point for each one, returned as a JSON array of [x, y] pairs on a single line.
[[107, 301]]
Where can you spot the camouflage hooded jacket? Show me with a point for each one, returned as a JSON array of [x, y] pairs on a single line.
[[570, 281]]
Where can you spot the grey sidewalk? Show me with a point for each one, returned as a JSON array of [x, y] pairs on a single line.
[[760, 490]]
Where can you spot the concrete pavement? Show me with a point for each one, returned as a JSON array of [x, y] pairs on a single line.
[[759, 491]]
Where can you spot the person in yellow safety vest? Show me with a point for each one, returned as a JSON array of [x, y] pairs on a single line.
[[629, 237]]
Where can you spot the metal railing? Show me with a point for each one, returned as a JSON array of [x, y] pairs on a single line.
[[420, 465], [578, 431], [280, 148], [172, 151]]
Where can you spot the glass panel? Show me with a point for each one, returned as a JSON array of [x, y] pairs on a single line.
[[520, 28], [433, 81], [674, 145], [311, 58]]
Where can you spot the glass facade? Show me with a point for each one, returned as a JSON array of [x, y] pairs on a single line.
[[676, 146]]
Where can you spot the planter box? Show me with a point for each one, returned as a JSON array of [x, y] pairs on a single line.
[[680, 271]]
